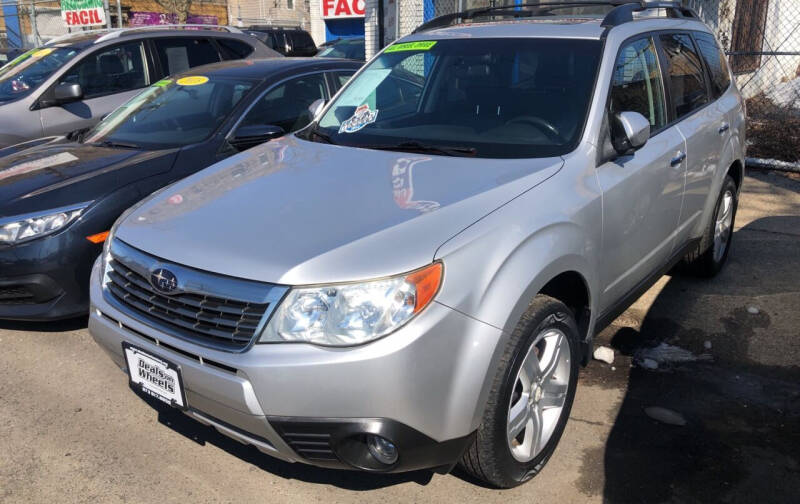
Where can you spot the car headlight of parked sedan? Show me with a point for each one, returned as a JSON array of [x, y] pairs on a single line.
[[352, 313], [21, 228]]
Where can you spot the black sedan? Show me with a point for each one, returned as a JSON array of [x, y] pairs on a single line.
[[59, 196]]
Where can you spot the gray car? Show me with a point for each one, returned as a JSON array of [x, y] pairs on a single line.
[[72, 82], [414, 280]]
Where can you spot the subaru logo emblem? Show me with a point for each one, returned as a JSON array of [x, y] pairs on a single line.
[[163, 280]]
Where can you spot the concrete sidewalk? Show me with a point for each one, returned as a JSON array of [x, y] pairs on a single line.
[[71, 430]]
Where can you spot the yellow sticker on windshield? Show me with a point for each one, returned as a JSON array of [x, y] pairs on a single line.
[[41, 53], [423, 45], [195, 80]]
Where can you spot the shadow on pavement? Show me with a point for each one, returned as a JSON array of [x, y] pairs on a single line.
[[72, 324], [741, 441]]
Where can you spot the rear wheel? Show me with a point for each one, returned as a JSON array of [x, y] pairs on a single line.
[[531, 398], [716, 242]]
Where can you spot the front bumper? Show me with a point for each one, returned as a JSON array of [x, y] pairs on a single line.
[[47, 278], [421, 387]]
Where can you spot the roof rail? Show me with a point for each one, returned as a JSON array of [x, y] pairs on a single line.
[[624, 13], [120, 32], [513, 10], [67, 36], [273, 27]]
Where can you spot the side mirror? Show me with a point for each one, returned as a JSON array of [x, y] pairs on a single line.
[[66, 93], [253, 134], [629, 132], [316, 108]]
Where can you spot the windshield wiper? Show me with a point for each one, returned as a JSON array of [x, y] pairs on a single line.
[[118, 145], [442, 150]]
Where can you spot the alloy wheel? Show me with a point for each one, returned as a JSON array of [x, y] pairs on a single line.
[[722, 226], [539, 395]]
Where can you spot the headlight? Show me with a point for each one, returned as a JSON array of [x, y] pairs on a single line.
[[27, 227], [354, 313]]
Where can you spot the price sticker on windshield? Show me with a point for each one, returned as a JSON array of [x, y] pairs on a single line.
[[194, 80], [360, 118], [41, 53], [163, 83], [423, 45]]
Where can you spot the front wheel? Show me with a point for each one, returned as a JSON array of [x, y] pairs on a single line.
[[531, 397]]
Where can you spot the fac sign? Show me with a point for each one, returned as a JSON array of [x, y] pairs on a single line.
[[332, 9]]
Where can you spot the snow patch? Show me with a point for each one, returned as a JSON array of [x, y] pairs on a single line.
[[604, 354], [664, 353]]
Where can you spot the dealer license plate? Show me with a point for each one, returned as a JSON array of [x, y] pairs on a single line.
[[154, 376]]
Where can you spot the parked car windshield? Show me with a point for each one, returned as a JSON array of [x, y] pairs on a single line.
[[347, 48], [493, 98], [20, 76], [172, 113]]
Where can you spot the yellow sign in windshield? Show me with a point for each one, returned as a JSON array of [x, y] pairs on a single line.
[[423, 45], [195, 80]]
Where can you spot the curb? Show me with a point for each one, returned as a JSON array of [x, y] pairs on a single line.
[[772, 164]]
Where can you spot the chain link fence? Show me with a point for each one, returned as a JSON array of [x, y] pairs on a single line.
[[762, 39], [29, 23]]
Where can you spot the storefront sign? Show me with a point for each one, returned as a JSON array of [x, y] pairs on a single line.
[[161, 18], [336, 9], [83, 12]]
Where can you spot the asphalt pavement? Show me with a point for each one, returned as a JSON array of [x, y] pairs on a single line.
[[72, 431]]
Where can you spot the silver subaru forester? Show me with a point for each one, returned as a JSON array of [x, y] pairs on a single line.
[[414, 280]]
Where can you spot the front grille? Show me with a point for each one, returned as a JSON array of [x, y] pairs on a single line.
[[220, 322], [15, 295]]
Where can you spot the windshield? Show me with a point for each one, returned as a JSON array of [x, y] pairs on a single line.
[[348, 49], [20, 76], [493, 98], [172, 113]]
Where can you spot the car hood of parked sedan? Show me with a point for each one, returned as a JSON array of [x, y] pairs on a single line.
[[58, 173], [297, 212]]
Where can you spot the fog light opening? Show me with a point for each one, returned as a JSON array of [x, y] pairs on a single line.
[[382, 449]]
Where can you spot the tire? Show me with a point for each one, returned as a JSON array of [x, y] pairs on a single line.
[[495, 458], [712, 253]]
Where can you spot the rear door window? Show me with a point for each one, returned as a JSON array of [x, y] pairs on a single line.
[[636, 85], [341, 77], [279, 40], [286, 105], [178, 54], [234, 49], [302, 40], [110, 70], [716, 62], [684, 73]]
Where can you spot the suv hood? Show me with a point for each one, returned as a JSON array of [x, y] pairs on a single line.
[[297, 212], [59, 173]]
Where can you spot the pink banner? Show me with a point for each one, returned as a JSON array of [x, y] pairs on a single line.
[[162, 18]]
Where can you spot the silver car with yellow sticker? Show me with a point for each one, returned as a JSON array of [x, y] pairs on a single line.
[[72, 82], [413, 280]]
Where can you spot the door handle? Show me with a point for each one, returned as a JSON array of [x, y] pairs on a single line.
[[678, 159], [723, 128]]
